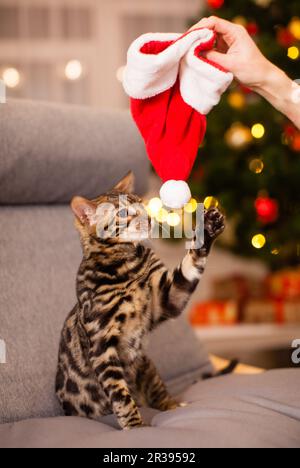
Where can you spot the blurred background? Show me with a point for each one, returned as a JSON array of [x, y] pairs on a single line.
[[74, 51]]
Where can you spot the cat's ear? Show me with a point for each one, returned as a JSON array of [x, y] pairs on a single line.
[[84, 210], [126, 185]]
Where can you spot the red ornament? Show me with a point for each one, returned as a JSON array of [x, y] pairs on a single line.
[[296, 142], [215, 4], [252, 28], [267, 209], [292, 136], [290, 130], [285, 38]]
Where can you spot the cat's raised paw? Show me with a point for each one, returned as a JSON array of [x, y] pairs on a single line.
[[214, 223]]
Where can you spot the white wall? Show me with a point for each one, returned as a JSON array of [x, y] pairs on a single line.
[[38, 37]]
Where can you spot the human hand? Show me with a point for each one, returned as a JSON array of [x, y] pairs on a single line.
[[237, 52]]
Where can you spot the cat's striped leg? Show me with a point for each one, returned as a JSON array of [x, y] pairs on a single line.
[[110, 374], [175, 289], [151, 387]]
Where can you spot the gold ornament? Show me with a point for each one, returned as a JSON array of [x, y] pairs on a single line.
[[294, 28], [191, 206], [293, 53], [258, 130], [256, 166], [210, 202], [237, 100], [263, 3], [238, 136], [259, 241], [241, 20]]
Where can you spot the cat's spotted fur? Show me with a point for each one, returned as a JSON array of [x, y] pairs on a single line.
[[123, 292]]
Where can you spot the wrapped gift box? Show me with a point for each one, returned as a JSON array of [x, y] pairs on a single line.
[[238, 287], [284, 284], [214, 313], [272, 311]]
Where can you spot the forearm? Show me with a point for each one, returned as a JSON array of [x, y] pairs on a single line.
[[281, 92], [175, 289]]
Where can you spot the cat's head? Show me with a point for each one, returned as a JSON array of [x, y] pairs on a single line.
[[118, 215]]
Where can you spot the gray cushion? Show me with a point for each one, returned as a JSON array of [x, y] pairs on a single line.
[[261, 411], [50, 152], [40, 254]]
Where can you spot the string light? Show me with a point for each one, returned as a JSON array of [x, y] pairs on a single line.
[[263, 3], [238, 136], [259, 241], [241, 20], [191, 206], [73, 70], [258, 130], [257, 166], [11, 77], [236, 100], [154, 206], [210, 202], [293, 52], [294, 28], [162, 215], [275, 252], [173, 219]]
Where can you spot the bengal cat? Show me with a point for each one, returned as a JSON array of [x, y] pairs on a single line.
[[123, 292]]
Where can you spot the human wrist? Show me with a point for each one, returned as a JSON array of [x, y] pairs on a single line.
[[269, 77], [275, 86], [279, 90]]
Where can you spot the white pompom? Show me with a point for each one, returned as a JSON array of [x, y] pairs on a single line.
[[175, 194]]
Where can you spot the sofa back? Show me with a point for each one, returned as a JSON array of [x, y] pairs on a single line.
[[50, 153]]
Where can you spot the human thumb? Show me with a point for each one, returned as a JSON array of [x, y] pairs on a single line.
[[220, 59]]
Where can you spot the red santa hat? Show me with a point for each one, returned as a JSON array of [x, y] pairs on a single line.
[[172, 87]]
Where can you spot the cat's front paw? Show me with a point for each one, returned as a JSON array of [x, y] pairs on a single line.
[[214, 224]]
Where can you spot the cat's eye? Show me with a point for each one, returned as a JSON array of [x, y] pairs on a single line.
[[123, 213]]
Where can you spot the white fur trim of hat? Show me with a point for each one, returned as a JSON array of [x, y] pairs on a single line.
[[147, 75]]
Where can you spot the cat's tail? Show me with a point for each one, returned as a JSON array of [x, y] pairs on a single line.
[[229, 369]]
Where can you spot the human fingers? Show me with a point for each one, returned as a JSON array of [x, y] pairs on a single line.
[[230, 32], [221, 59]]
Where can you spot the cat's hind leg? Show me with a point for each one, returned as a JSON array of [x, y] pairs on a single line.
[[151, 387], [110, 374], [82, 398]]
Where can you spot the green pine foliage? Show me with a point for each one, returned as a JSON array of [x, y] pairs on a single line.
[[223, 171]]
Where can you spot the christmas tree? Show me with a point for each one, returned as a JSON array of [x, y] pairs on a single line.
[[249, 163]]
